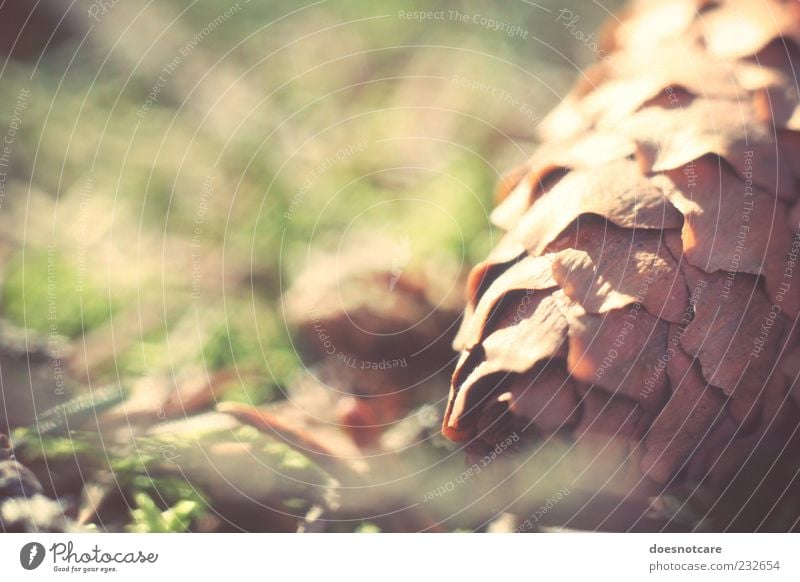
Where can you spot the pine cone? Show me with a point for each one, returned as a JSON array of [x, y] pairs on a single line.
[[377, 327], [640, 313], [371, 307]]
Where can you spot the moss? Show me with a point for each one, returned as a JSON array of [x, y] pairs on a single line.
[[220, 351], [46, 291], [147, 517], [167, 489], [288, 459], [252, 393], [296, 504], [50, 448]]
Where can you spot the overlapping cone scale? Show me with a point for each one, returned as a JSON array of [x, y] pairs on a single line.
[[643, 301]]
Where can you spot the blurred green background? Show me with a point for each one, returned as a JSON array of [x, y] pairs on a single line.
[[177, 163]]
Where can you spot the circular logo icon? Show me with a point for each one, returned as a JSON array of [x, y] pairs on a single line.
[[31, 555]]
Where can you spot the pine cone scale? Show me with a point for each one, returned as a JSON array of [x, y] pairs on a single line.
[[642, 305]]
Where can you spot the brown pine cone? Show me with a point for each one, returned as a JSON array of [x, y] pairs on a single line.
[[639, 316], [376, 323], [373, 305]]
